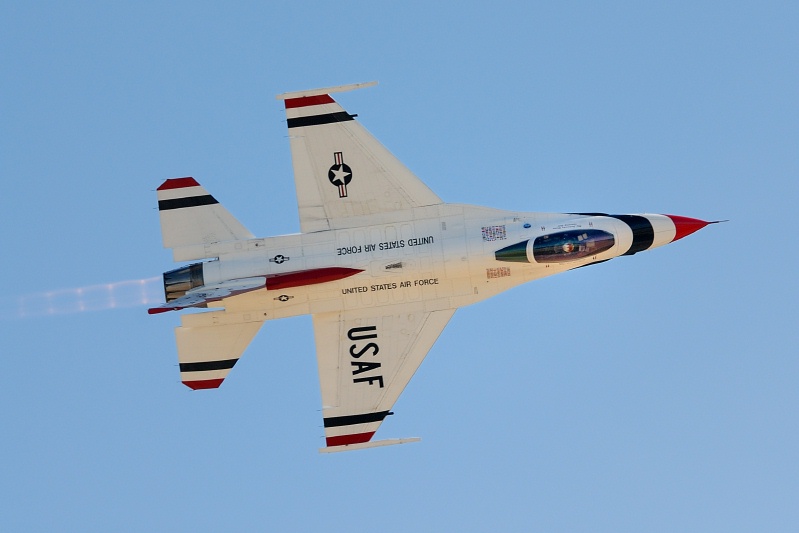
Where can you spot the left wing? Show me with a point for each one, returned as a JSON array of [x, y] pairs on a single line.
[[340, 169], [366, 357]]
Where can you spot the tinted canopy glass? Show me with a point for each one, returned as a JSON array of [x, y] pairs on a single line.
[[571, 245]]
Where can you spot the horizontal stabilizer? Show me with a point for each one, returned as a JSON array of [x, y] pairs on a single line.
[[190, 216], [207, 354], [363, 445]]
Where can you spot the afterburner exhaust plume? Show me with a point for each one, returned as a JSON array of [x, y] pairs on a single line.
[[119, 294]]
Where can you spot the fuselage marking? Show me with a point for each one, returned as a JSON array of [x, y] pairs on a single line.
[[386, 245], [357, 350]]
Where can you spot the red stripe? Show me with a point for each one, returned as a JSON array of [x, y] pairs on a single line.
[[305, 101], [204, 384], [156, 310], [308, 277], [178, 183], [343, 440]]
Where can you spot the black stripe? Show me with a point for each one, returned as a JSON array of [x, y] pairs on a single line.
[[351, 420], [207, 365], [315, 120], [189, 201], [643, 232]]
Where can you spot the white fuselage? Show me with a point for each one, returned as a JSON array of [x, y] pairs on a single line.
[[381, 265], [443, 255]]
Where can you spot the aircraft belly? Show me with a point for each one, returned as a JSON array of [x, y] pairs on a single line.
[[381, 264], [357, 292], [445, 262]]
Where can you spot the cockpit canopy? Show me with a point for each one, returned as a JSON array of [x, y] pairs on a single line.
[[571, 245], [561, 247]]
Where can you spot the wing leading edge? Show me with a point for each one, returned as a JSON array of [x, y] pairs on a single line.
[[366, 358], [340, 169]]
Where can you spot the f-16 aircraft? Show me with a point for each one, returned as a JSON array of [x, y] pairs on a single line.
[[381, 264]]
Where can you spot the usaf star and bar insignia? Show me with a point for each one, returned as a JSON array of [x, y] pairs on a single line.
[[340, 174]]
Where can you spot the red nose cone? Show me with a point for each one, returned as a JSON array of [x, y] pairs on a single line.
[[686, 226]]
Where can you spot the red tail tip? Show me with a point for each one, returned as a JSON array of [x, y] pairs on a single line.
[[204, 384], [685, 226], [343, 440]]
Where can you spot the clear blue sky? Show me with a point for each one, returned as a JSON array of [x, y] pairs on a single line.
[[653, 393]]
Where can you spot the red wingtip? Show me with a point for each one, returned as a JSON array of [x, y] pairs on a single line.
[[304, 101], [685, 226]]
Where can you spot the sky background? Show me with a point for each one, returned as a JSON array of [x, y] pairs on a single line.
[[653, 393]]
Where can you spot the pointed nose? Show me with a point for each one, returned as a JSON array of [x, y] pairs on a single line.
[[685, 226]]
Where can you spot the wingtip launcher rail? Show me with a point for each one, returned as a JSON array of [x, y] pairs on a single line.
[[363, 445]]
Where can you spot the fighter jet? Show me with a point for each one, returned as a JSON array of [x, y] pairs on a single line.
[[381, 265]]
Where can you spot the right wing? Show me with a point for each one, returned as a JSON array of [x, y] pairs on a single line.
[[366, 358], [340, 169]]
